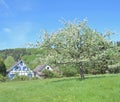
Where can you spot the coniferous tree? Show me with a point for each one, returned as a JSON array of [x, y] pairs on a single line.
[[2, 68]]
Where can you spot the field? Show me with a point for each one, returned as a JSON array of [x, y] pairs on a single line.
[[105, 88]]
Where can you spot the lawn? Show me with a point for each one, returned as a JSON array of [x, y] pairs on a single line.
[[92, 89]]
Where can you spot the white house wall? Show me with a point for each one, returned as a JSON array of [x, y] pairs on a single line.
[[48, 68], [20, 69]]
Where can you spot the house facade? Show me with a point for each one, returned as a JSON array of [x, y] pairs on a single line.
[[19, 69]]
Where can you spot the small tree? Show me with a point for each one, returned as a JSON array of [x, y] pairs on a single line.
[[9, 61], [2, 68]]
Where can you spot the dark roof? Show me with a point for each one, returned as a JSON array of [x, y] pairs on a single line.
[[39, 68]]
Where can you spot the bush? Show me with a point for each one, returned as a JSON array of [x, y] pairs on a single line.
[[68, 72], [34, 78], [2, 78], [2, 68], [94, 71], [49, 74], [114, 68], [21, 78]]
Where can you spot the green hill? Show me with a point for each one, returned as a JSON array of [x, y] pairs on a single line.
[[28, 55]]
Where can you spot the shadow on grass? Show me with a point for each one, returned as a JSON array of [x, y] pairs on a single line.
[[86, 78], [67, 79], [101, 76]]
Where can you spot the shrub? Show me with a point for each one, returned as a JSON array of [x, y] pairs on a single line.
[[114, 68], [94, 71], [34, 78], [49, 74], [2, 78], [2, 68], [21, 78], [68, 72]]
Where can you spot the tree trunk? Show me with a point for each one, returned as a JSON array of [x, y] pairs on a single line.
[[81, 71]]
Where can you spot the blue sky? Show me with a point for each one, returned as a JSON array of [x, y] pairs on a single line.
[[22, 20]]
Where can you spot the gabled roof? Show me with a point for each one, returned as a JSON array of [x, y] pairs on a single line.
[[14, 65], [39, 68]]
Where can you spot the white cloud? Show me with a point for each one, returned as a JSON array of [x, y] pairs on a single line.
[[7, 30]]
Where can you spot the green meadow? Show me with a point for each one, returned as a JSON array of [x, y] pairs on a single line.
[[101, 88]]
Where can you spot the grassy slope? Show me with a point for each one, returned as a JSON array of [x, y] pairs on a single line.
[[92, 89]]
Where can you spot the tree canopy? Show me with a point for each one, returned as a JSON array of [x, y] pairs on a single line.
[[77, 43], [9, 61], [2, 67]]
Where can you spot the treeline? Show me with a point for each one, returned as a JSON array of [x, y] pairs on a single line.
[[17, 53], [28, 55]]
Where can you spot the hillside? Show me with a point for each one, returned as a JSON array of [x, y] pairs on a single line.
[[92, 89], [29, 55], [15, 53]]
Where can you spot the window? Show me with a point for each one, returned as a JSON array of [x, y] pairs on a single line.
[[47, 67], [11, 76], [30, 75], [24, 68]]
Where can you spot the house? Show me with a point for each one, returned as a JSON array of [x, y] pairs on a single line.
[[20, 69], [38, 70]]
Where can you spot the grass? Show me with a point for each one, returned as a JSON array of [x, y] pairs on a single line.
[[92, 89]]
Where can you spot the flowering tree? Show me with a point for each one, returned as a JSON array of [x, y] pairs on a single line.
[[76, 43]]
